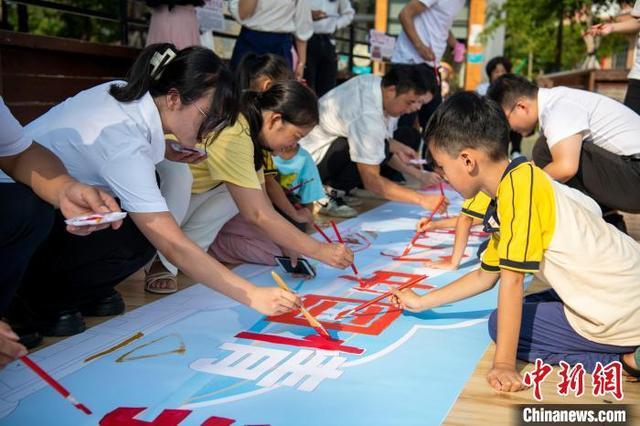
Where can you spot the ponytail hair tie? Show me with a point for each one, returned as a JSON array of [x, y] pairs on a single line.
[[160, 60]]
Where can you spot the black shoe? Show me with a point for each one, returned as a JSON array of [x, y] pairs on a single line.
[[107, 306], [30, 337], [64, 323], [616, 220]]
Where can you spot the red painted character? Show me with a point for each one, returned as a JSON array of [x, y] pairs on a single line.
[[607, 379], [536, 377], [572, 379], [125, 416]]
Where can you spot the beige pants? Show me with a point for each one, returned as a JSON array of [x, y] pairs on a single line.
[[205, 216]]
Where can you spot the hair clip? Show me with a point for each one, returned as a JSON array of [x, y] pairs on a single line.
[[160, 60]]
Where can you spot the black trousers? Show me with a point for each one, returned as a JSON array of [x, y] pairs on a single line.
[[25, 221], [632, 97], [338, 171], [610, 179], [322, 64], [68, 270], [516, 141]]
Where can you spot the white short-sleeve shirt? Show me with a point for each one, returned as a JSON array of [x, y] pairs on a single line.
[[13, 139], [278, 16], [564, 112], [433, 27], [340, 13], [108, 144], [353, 110]]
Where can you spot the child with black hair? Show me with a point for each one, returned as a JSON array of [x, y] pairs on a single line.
[[231, 180], [112, 136], [238, 240], [592, 311]]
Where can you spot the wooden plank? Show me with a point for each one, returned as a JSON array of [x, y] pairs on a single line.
[[19, 60], [45, 88], [59, 44]]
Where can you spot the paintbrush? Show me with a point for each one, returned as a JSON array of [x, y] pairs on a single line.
[[381, 297], [312, 320], [54, 384], [446, 212], [409, 247], [300, 185], [353, 265], [326, 237]]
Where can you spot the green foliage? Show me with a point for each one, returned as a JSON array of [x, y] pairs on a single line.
[[532, 26], [54, 23]]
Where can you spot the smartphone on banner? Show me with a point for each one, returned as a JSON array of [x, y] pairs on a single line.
[[302, 268]]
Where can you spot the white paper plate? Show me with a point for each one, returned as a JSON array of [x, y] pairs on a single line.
[[96, 219]]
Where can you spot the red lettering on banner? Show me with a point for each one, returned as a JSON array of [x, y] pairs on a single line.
[[361, 323]]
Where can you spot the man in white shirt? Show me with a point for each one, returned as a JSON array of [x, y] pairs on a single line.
[[591, 142], [350, 142], [26, 216], [425, 35]]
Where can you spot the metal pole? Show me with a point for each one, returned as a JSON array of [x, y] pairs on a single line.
[[124, 24], [23, 18], [4, 24], [352, 43]]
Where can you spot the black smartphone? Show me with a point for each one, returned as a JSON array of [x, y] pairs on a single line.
[[303, 267]]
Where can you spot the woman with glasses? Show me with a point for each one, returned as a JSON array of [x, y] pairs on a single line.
[[112, 136]]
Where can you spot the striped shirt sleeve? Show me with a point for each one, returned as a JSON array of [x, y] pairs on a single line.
[[521, 246], [476, 207]]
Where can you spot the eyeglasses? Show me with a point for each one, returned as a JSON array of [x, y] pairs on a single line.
[[204, 114], [513, 108]]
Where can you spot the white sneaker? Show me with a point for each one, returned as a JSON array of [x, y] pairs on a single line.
[[352, 201], [340, 194], [336, 207]]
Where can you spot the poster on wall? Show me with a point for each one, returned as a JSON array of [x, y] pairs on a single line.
[[210, 16], [380, 45]]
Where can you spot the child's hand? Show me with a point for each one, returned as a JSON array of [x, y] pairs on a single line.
[[424, 225], [428, 179], [504, 377], [407, 299], [431, 201], [443, 264]]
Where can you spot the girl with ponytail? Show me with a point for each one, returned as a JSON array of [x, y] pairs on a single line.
[[239, 240], [112, 136], [231, 179]]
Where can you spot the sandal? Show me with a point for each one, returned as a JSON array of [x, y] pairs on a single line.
[[151, 278], [632, 372]]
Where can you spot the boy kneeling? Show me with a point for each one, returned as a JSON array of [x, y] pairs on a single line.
[[592, 311]]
